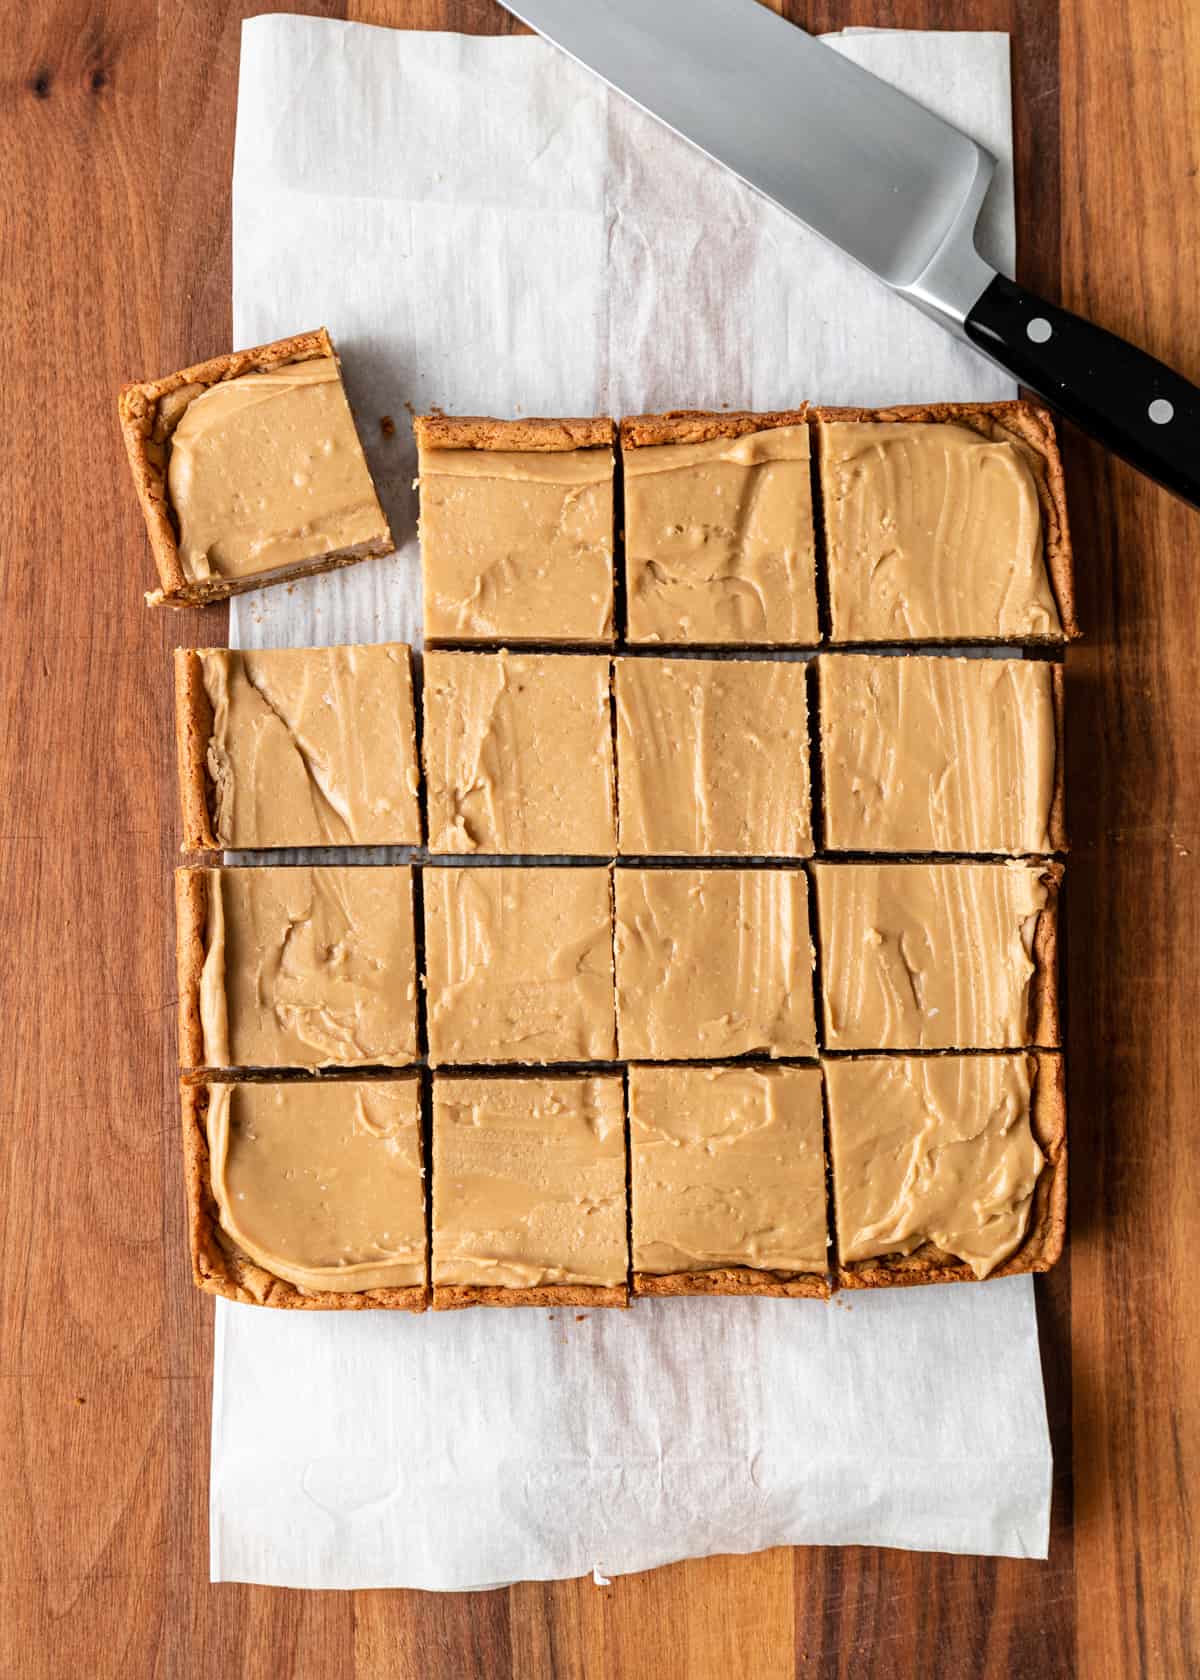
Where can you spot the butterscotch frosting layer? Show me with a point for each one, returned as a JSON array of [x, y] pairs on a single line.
[[713, 963], [933, 532], [312, 746], [266, 471], [320, 1184], [309, 967], [719, 540], [528, 1182], [935, 1149], [929, 754], [516, 545], [713, 757], [931, 956], [518, 753], [728, 1169], [519, 964]]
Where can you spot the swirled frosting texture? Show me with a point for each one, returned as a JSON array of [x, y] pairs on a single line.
[[321, 1183], [936, 1149], [266, 471], [528, 1182], [713, 756], [719, 540], [933, 532], [727, 1169], [928, 956], [309, 967], [928, 754], [517, 545], [312, 746], [518, 753], [713, 963], [519, 964]]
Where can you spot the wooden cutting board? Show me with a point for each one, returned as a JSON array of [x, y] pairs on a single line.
[[115, 153]]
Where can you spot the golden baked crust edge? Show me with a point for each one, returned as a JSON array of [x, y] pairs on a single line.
[[447, 1297], [139, 411], [699, 425], [191, 917], [733, 1280], [220, 1269], [1027, 423], [1056, 823], [193, 730], [1043, 1242], [481, 431], [144, 431]]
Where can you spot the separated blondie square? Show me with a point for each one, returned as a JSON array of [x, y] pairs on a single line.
[[518, 754], [945, 523], [938, 956], [713, 963], [727, 1180], [296, 747], [307, 1193], [298, 967], [519, 964], [719, 545], [932, 754], [712, 757], [516, 529], [947, 1168], [249, 471], [529, 1192]]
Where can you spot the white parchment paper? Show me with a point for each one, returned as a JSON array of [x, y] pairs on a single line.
[[483, 226]]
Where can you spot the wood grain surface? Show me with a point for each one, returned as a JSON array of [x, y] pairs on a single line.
[[115, 150]]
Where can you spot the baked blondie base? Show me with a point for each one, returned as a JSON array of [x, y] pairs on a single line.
[[193, 729], [447, 1297], [191, 917], [699, 425], [1057, 822], [483, 431], [732, 1280]]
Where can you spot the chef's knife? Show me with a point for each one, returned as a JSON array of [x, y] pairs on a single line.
[[895, 187]]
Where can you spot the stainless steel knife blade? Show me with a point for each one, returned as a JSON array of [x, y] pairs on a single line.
[[868, 168], [895, 187]]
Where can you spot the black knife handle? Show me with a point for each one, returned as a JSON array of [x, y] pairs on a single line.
[[1135, 405]]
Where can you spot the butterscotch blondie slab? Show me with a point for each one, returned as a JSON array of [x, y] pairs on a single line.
[[518, 753], [712, 757], [945, 522], [719, 544], [307, 1193], [300, 967], [296, 747], [519, 964], [516, 529], [713, 963], [249, 470], [727, 1181], [933, 754], [938, 956], [947, 1168], [529, 1192]]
